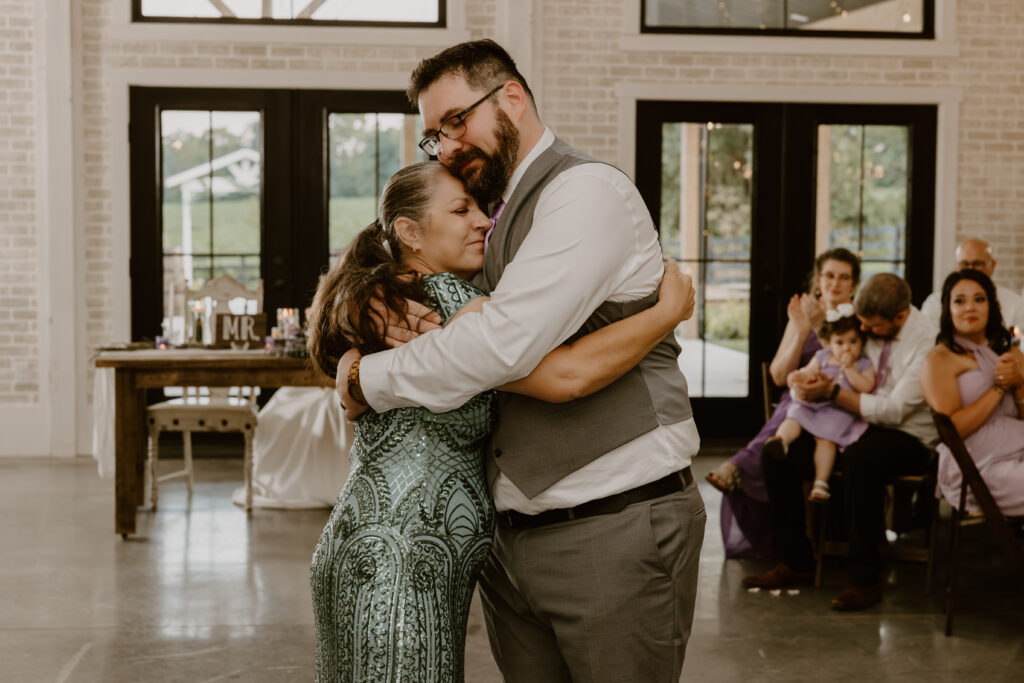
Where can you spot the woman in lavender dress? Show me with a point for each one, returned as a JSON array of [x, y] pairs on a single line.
[[746, 528], [974, 375]]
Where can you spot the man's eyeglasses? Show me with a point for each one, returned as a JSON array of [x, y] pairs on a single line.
[[976, 265], [453, 127]]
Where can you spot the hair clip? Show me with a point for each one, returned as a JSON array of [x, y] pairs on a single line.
[[841, 311]]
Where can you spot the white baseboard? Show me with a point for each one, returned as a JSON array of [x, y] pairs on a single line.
[[25, 430]]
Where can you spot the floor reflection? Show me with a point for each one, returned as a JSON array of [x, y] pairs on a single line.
[[205, 592]]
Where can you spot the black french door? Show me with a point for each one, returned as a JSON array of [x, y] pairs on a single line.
[[254, 183], [746, 194]]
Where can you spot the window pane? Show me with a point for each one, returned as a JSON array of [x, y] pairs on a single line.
[[245, 9], [378, 10], [889, 16], [179, 8], [869, 268], [236, 196], [885, 192], [863, 190], [906, 16], [715, 14], [211, 209], [839, 207], [707, 174], [425, 11], [364, 150]]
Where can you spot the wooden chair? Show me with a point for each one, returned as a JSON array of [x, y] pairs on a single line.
[[769, 392], [904, 492], [1001, 525], [202, 409]]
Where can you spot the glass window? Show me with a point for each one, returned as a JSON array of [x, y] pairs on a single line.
[[862, 192], [364, 150], [706, 185], [430, 13], [211, 185], [890, 18]]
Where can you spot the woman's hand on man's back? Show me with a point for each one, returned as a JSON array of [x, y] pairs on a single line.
[[676, 295]]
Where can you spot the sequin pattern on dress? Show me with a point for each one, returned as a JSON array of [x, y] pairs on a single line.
[[395, 567]]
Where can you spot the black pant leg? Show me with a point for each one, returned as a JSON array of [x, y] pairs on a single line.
[[870, 463], [784, 481]]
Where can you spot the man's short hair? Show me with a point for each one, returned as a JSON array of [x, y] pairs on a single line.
[[883, 294], [483, 63]]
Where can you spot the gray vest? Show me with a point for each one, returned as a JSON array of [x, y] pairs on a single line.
[[536, 444]]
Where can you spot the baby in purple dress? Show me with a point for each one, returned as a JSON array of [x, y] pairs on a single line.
[[833, 428]]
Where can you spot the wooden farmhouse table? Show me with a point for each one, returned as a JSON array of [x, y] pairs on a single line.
[[137, 371]]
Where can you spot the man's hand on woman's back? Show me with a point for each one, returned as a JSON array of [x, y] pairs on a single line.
[[398, 328]]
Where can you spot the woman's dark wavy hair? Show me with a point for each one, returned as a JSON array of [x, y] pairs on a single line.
[[998, 336], [341, 316], [837, 254], [841, 326]]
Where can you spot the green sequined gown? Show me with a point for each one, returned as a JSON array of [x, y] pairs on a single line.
[[394, 570]]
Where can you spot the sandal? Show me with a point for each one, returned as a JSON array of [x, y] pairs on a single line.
[[819, 492], [725, 477]]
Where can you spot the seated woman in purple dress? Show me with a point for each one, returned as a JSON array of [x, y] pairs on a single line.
[[976, 376], [833, 428], [746, 531]]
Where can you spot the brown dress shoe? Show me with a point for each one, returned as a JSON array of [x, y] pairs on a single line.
[[779, 576], [856, 597], [774, 448]]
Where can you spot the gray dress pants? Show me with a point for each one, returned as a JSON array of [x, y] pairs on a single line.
[[602, 599]]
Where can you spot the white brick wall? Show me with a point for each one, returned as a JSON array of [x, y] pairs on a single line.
[[580, 65], [19, 234]]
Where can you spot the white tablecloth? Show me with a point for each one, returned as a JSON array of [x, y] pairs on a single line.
[[103, 421], [300, 450]]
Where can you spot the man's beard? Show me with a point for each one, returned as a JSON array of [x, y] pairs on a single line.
[[487, 182]]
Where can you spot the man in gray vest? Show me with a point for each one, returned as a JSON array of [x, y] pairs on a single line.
[[593, 572]]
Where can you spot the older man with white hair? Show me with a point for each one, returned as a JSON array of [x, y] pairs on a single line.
[[977, 254]]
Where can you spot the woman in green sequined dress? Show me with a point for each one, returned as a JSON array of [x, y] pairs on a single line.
[[395, 567]]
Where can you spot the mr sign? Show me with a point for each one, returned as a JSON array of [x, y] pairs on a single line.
[[245, 331]]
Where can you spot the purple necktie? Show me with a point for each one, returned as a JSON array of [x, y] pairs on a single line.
[[883, 364], [495, 215]]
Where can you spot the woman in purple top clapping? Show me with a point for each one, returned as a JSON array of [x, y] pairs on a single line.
[[746, 530]]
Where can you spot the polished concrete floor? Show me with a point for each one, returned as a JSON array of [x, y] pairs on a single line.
[[204, 593]]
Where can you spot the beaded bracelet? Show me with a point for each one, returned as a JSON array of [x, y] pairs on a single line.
[[354, 390]]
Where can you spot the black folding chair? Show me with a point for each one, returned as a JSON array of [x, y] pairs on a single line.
[[1001, 525], [904, 492]]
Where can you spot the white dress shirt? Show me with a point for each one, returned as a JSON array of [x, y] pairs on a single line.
[[1010, 303], [898, 402], [592, 241]]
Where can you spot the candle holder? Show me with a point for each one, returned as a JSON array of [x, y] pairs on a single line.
[[162, 344], [288, 322]]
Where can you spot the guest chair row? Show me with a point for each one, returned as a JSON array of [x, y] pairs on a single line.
[[920, 491]]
